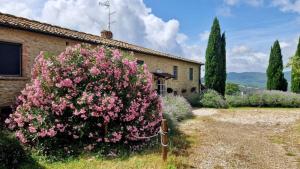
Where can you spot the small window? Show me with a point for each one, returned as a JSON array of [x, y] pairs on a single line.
[[10, 55], [175, 72], [191, 74], [140, 62]]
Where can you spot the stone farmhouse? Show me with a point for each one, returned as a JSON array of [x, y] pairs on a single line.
[[21, 40]]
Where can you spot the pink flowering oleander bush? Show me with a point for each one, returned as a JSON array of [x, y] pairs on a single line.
[[86, 98]]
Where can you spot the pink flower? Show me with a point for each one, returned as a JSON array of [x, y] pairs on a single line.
[[32, 129], [51, 132], [21, 137], [66, 83], [94, 71], [7, 121], [84, 91], [78, 80], [116, 54]]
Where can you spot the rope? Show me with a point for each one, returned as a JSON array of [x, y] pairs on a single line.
[[161, 132], [147, 137]]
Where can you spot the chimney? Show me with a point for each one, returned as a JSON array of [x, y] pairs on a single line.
[[106, 34]]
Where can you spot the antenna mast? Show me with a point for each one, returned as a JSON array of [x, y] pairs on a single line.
[[108, 5]]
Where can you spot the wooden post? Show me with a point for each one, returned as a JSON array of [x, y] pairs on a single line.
[[164, 137]]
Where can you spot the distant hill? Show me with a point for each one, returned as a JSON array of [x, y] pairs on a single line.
[[252, 79]]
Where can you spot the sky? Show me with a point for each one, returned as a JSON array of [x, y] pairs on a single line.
[[180, 27]]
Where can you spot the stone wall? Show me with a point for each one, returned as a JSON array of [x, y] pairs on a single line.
[[166, 65], [33, 43]]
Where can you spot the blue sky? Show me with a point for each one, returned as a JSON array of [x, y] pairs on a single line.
[[249, 25], [178, 27]]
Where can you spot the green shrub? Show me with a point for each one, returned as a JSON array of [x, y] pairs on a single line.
[[237, 100], [232, 89], [176, 108], [265, 99], [212, 99], [11, 152], [194, 99]]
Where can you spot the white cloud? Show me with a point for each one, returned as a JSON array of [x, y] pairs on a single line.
[[231, 2], [255, 2], [242, 58], [284, 45], [287, 5], [135, 22], [224, 11], [204, 35], [20, 8], [239, 50], [249, 2]]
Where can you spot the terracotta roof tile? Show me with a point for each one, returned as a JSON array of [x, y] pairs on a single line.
[[35, 26]]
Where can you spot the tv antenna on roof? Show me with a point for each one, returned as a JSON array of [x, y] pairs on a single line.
[[108, 5]]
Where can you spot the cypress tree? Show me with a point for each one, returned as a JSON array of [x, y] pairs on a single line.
[[223, 64], [215, 64], [276, 80], [295, 72]]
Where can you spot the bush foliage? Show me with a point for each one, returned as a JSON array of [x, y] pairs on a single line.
[[176, 108], [265, 99], [11, 152], [86, 97], [208, 98], [232, 89], [212, 99], [194, 99]]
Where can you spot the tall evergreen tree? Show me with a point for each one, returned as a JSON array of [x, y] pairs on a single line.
[[295, 72], [223, 64], [276, 80], [215, 64]]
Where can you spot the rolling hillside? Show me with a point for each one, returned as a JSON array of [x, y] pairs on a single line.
[[253, 79]]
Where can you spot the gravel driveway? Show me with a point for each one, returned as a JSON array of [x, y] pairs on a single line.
[[245, 138]]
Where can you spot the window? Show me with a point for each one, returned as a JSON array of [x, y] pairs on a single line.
[[10, 55], [140, 62], [161, 87], [191, 74], [175, 72]]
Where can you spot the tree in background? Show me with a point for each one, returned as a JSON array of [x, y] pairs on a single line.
[[276, 80], [223, 64], [215, 64], [295, 63], [232, 89]]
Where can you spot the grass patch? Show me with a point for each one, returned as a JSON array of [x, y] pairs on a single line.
[[277, 139], [290, 154], [138, 161], [148, 159], [262, 108]]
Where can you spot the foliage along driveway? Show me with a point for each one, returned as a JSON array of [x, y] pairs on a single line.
[[245, 138]]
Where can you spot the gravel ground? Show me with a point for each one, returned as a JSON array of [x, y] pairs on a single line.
[[242, 139]]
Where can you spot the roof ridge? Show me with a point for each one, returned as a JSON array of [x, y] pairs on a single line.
[[83, 36]]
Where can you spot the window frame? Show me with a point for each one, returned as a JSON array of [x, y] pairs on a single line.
[[191, 74], [20, 45], [175, 75], [140, 62]]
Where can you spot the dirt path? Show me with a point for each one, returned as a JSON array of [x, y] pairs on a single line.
[[245, 138]]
